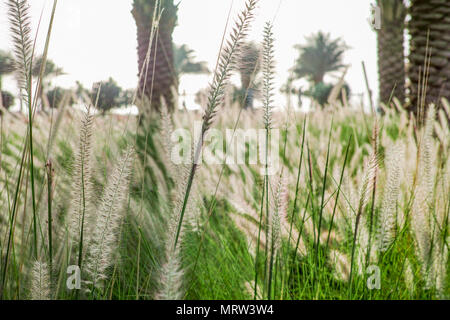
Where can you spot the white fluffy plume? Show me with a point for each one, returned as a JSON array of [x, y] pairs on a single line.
[[40, 282], [103, 241], [387, 219], [81, 208]]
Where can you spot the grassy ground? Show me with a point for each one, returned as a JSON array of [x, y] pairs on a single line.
[[219, 243]]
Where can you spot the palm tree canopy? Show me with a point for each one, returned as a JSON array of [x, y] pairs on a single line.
[[184, 61], [147, 8], [392, 11], [318, 56]]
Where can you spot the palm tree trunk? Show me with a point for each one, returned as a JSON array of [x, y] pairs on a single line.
[[391, 61], [429, 18], [1, 94], [159, 80]]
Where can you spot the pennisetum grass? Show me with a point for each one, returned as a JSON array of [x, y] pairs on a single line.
[[166, 132], [268, 76], [364, 196], [50, 176], [20, 21], [171, 273], [244, 232], [277, 213], [387, 218], [104, 237], [426, 226], [40, 282], [243, 63], [216, 95], [324, 183], [19, 18], [81, 209]]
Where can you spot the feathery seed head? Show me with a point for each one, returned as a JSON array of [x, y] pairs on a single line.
[[278, 213], [268, 74], [171, 273], [423, 224], [409, 277], [103, 240], [368, 181], [341, 265], [387, 220], [20, 21], [227, 60], [81, 208], [40, 282], [166, 133]]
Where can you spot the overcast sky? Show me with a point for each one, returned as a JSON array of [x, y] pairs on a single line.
[[95, 39]]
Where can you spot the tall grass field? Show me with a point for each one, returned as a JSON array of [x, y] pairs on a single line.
[[337, 203]]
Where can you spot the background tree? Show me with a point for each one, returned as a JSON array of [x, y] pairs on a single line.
[[321, 92], [391, 57], [184, 61], [51, 71], [431, 17], [7, 100], [159, 78], [109, 96], [81, 93], [319, 56], [289, 89], [126, 98], [56, 95]]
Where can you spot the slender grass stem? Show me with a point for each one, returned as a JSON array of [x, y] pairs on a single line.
[[216, 95], [297, 185], [338, 192], [50, 219], [324, 183], [259, 239]]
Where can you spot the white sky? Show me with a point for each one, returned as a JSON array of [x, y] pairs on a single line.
[[95, 39]]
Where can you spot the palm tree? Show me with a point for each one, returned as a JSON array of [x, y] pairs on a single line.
[[51, 70], [184, 61], [109, 95], [157, 75], [391, 57], [430, 23], [249, 67], [319, 56], [57, 95]]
